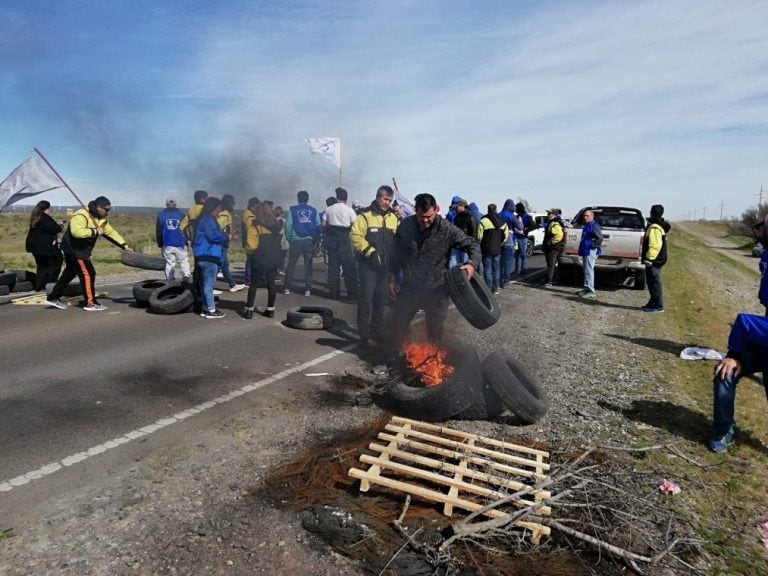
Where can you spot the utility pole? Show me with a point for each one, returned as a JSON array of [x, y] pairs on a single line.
[[722, 205], [704, 213], [760, 197]]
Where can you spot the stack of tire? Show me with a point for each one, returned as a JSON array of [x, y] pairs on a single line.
[[16, 281], [466, 395], [163, 297]]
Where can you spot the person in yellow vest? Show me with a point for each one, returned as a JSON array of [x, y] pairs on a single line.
[[554, 242], [189, 222], [245, 223], [85, 227], [226, 223]]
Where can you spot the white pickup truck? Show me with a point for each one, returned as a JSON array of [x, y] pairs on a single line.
[[621, 252]]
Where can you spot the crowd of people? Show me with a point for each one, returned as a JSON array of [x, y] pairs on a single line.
[[380, 256]]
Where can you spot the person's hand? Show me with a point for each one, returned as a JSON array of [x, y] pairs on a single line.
[[727, 368], [394, 287], [647, 263], [99, 231], [376, 260], [469, 269]]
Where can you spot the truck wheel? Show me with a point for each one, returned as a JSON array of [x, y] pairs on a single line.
[[472, 298], [639, 283]]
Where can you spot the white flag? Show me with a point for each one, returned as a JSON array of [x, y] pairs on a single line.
[[30, 177], [406, 204], [328, 148]]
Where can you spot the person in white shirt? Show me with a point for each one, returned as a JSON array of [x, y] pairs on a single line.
[[337, 222]]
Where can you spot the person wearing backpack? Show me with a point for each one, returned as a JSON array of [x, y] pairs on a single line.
[[302, 226], [263, 244], [655, 256], [492, 233]]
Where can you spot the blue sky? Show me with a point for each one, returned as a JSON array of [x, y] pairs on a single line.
[[561, 103]]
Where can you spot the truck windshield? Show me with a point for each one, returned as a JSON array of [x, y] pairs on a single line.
[[619, 219]]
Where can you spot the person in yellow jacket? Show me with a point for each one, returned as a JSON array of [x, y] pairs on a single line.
[[372, 236], [655, 256], [226, 223], [245, 225], [265, 252], [189, 222], [85, 227], [492, 233], [554, 242]]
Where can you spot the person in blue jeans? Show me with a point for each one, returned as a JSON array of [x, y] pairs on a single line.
[[747, 354], [523, 224], [507, 260], [301, 229], [492, 232], [589, 250], [208, 246]]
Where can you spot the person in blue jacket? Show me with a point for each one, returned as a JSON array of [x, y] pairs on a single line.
[[747, 354], [302, 227], [208, 247], [171, 240]]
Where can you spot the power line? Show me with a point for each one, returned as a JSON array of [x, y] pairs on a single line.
[[722, 205]]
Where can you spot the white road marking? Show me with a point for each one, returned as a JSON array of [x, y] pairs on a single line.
[[9, 485]]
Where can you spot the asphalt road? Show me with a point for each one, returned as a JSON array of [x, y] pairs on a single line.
[[72, 380]]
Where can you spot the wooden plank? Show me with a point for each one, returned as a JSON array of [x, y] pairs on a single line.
[[447, 481], [465, 448], [467, 435], [435, 496], [478, 460], [374, 470], [502, 481]]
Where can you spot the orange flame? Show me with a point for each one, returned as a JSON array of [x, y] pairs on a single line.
[[428, 361]]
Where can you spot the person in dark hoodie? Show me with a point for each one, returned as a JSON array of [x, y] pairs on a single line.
[[42, 242], [264, 244], [208, 247], [655, 256], [85, 227], [464, 221], [492, 233], [422, 248], [507, 259]]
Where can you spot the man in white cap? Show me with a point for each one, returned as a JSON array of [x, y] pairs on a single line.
[[171, 240]]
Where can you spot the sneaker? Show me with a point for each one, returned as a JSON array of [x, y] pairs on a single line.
[[248, 313], [307, 293], [496, 291], [220, 275], [269, 313], [721, 443], [548, 285], [589, 294], [652, 309], [236, 287], [286, 291], [95, 307], [217, 292], [56, 304], [211, 314]]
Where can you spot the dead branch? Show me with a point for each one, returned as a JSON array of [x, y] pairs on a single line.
[[633, 449], [690, 460]]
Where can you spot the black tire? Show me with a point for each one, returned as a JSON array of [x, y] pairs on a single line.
[[309, 318], [23, 287], [144, 261], [472, 298], [171, 299], [8, 279], [639, 283], [24, 275], [4, 290], [488, 406], [518, 390], [74, 288], [567, 275], [143, 290], [437, 403]]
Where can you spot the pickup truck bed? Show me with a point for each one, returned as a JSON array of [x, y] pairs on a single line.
[[623, 233]]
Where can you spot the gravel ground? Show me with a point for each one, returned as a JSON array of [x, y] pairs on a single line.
[[186, 508]]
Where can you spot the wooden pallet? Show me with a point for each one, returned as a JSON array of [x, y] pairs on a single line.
[[39, 299], [455, 468]]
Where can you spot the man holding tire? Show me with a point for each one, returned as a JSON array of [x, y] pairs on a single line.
[[422, 249]]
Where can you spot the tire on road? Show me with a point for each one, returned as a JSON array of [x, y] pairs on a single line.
[[309, 318], [144, 261], [143, 290], [488, 406], [4, 290], [171, 299], [472, 298], [23, 287], [516, 387], [8, 279], [437, 403], [74, 288]]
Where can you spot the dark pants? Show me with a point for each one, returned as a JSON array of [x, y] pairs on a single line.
[[340, 257], [257, 273], [409, 301], [304, 248], [224, 267], [653, 282], [48, 269], [80, 268], [551, 255], [372, 298]]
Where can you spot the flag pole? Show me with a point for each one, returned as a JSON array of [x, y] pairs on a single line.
[[341, 163], [60, 178]]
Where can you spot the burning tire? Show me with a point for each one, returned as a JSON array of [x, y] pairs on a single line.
[[488, 406], [518, 390], [472, 298], [310, 318], [143, 290], [144, 261], [171, 299], [453, 395]]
